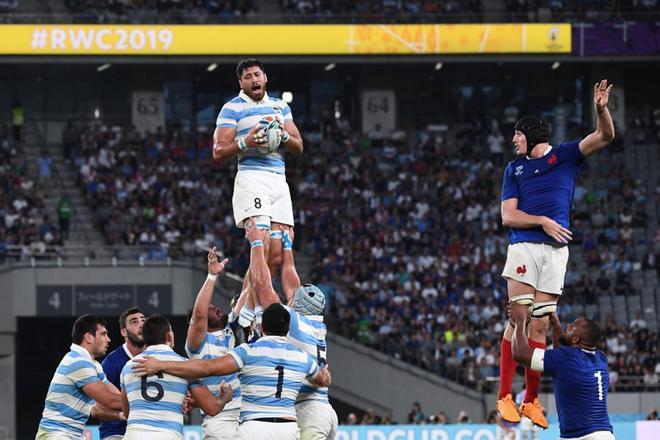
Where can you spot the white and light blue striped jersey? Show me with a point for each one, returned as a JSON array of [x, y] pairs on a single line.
[[218, 344], [242, 113], [67, 407], [155, 402], [272, 370], [308, 334]]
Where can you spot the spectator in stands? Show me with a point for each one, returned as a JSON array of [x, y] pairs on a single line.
[[64, 215], [416, 415], [638, 323], [45, 162]]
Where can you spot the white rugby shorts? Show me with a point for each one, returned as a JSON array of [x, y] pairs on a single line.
[[135, 434], [597, 435], [215, 428], [42, 434], [261, 193], [540, 265], [317, 420], [253, 429]]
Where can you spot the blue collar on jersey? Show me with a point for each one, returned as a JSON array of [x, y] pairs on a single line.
[[244, 96]]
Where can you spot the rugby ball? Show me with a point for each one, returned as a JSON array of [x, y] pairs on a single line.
[[270, 129]]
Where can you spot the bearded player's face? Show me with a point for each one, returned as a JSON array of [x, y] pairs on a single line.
[[253, 82]]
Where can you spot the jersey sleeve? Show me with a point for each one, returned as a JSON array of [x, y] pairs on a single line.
[[240, 355], [509, 184], [312, 368], [572, 152], [83, 372], [227, 118], [191, 352], [554, 360], [286, 112]]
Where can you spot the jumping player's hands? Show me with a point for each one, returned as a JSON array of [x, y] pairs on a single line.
[[146, 366], [253, 139], [253, 233], [602, 95], [216, 267], [557, 231]]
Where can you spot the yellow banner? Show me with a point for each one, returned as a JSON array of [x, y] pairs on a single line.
[[405, 39]]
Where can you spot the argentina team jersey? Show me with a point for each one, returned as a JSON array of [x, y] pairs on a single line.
[[242, 113], [308, 334], [272, 371], [67, 407], [155, 402], [216, 345]]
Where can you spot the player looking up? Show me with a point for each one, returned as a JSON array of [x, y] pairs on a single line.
[[537, 195], [130, 325], [260, 187], [210, 337], [579, 370]]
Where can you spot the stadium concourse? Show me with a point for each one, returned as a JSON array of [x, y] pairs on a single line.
[[437, 298]]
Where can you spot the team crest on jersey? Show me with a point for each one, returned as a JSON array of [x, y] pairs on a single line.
[[552, 159], [519, 170], [277, 110]]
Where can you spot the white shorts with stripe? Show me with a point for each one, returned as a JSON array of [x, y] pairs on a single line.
[[218, 429], [253, 429], [261, 193], [541, 265], [317, 420]]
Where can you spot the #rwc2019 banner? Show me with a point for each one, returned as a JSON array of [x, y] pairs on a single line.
[[405, 39], [622, 431]]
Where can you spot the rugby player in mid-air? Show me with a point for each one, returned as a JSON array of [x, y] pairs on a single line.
[[537, 194], [579, 370]]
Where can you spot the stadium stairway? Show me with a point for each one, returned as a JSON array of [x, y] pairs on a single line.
[[83, 236]]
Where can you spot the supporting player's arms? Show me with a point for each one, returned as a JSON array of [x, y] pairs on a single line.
[[226, 147], [124, 403], [196, 368], [604, 133], [295, 142], [323, 378], [209, 404], [513, 217], [557, 330], [259, 272], [199, 321], [104, 393], [522, 352], [290, 278]]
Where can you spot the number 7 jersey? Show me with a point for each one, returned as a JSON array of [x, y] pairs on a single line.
[[155, 402]]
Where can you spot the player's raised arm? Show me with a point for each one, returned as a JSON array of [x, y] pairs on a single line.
[[604, 133], [290, 278], [259, 272], [195, 369], [211, 405], [199, 322], [557, 330]]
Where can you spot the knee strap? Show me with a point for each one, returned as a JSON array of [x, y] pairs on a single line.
[[545, 308], [526, 299]]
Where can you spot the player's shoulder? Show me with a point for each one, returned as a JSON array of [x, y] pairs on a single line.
[[235, 100]]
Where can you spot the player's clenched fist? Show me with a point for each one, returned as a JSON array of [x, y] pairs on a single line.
[[517, 313], [252, 233]]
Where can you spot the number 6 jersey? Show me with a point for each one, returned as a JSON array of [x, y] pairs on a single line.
[[155, 402]]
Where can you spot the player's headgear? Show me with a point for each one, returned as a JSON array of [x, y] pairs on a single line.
[[308, 300], [535, 129]]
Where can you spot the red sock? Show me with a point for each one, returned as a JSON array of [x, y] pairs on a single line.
[[507, 368], [532, 378]]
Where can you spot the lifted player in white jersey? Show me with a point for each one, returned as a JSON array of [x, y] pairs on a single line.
[[209, 336], [260, 187], [271, 370], [316, 417], [154, 405]]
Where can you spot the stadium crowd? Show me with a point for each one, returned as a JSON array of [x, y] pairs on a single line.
[[27, 229], [405, 236]]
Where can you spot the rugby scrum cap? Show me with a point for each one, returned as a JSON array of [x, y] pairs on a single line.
[[308, 300], [535, 129]]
